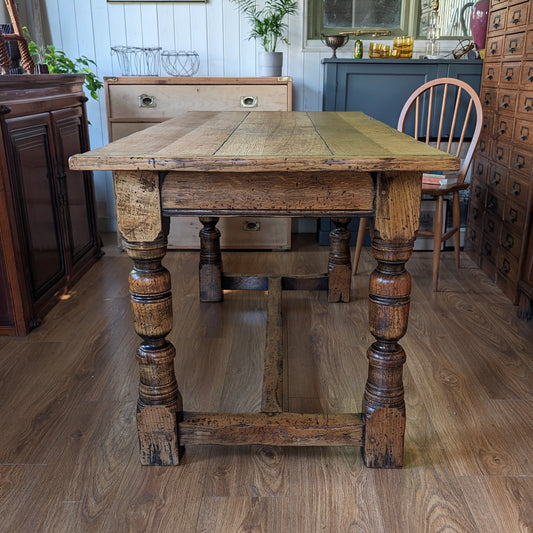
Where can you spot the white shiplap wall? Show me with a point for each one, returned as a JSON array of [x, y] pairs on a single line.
[[214, 29]]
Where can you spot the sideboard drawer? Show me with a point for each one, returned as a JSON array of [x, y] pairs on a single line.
[[165, 101]]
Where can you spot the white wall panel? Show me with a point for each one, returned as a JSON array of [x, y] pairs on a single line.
[[216, 30]]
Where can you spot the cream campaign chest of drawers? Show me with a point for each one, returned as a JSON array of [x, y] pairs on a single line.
[[134, 103]]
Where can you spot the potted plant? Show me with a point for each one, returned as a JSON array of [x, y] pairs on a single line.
[[268, 26], [48, 59]]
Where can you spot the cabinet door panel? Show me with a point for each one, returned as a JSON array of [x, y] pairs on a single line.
[[37, 201], [75, 185]]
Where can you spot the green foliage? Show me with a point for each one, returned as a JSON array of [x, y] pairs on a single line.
[[267, 23], [58, 63]]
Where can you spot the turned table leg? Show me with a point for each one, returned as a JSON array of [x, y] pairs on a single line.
[[159, 407], [396, 223], [210, 268], [339, 263]]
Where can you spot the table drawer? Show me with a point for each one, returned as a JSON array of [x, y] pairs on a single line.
[[165, 101], [235, 233]]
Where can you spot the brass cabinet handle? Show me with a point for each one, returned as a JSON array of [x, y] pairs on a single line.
[[145, 100], [249, 101]]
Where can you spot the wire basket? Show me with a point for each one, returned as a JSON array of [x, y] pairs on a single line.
[[137, 60], [180, 63]]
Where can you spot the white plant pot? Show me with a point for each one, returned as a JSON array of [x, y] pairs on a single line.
[[270, 63]]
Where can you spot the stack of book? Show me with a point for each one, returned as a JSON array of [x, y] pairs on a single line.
[[439, 180]]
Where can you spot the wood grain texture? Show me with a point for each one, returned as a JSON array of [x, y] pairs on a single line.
[[69, 451], [239, 141], [274, 429], [272, 396]]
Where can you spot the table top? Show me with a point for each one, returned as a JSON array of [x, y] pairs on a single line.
[[277, 141]]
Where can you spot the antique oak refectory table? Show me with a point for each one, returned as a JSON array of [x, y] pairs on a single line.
[[213, 164]]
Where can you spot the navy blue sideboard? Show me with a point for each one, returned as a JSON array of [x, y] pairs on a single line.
[[380, 87]]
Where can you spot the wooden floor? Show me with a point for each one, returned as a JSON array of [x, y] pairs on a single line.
[[68, 443]]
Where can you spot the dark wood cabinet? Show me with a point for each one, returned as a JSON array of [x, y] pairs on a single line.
[[499, 219], [48, 223]]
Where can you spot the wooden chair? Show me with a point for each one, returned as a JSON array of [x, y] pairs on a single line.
[[440, 113]]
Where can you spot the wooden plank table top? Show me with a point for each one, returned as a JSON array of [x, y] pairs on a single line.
[[270, 141], [212, 164]]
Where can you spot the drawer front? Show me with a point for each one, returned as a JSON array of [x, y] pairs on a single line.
[[521, 161], [517, 16], [528, 48], [477, 190], [497, 21], [523, 134], [489, 99], [507, 266], [236, 233], [123, 129], [526, 75], [494, 47], [511, 242], [491, 74], [497, 179], [514, 216], [473, 240], [489, 249], [492, 227], [510, 75], [165, 101], [496, 4], [484, 147], [525, 103], [503, 129], [501, 152], [507, 102], [518, 188], [495, 204], [514, 45]]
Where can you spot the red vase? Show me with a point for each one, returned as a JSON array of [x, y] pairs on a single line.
[[478, 23]]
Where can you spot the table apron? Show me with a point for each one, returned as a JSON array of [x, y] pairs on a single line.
[[268, 194]]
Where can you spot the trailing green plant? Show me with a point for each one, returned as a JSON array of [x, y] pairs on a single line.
[[58, 63], [267, 22]]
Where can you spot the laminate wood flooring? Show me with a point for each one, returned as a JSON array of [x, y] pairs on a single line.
[[68, 442]]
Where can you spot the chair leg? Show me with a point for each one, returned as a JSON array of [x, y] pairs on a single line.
[[363, 222], [457, 228], [437, 241]]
